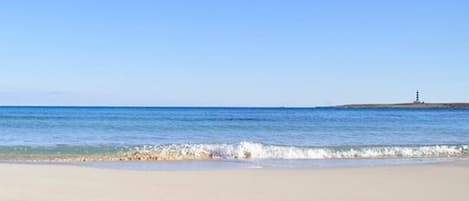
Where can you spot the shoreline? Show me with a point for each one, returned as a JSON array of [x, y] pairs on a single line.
[[417, 182], [207, 165]]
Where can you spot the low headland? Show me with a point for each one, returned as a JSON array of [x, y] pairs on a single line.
[[409, 105]]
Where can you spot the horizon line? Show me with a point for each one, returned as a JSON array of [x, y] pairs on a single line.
[[170, 106], [221, 106]]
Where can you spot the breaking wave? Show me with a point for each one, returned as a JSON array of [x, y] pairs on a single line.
[[250, 150], [241, 151]]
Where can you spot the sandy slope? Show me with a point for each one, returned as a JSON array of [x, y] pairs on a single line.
[[68, 183]]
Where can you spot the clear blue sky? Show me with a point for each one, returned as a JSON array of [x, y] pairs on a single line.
[[232, 53]]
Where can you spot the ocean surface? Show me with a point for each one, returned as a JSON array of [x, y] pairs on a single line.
[[184, 137]]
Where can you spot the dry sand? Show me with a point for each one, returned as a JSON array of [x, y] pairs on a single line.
[[69, 183]]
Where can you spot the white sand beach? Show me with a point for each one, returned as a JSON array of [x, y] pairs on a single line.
[[24, 182]]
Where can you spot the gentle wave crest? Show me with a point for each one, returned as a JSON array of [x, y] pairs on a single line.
[[250, 150], [242, 151]]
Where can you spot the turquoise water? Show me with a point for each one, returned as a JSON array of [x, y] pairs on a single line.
[[248, 134]]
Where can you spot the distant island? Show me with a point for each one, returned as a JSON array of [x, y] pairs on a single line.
[[416, 104], [409, 105]]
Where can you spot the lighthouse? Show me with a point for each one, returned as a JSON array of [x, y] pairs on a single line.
[[417, 98]]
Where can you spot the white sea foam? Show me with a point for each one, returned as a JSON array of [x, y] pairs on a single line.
[[250, 150]]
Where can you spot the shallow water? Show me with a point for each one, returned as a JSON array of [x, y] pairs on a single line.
[[248, 164]]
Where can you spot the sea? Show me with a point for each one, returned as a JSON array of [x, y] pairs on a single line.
[[180, 138]]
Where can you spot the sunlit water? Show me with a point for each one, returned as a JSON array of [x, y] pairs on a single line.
[[232, 137]]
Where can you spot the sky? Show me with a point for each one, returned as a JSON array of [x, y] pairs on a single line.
[[232, 53]]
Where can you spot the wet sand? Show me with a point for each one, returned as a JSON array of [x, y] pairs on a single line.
[[69, 183]]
